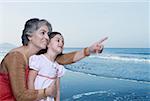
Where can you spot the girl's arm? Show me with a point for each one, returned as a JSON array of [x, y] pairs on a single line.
[[57, 98]]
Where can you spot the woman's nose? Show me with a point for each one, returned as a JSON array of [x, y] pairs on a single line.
[[46, 36]]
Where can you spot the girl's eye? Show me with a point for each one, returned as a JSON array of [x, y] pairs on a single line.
[[58, 40]]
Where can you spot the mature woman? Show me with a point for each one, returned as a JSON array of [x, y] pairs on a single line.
[[14, 66]]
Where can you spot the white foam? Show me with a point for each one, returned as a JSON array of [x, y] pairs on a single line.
[[122, 58], [87, 94]]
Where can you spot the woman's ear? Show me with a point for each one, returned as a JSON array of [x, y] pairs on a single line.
[[29, 37]]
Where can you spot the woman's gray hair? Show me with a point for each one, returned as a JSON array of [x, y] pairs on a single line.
[[33, 25]]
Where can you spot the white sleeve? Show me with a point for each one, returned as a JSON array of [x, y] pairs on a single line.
[[61, 70], [34, 63]]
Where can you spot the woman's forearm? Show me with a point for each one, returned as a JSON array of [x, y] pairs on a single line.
[[81, 54], [72, 57]]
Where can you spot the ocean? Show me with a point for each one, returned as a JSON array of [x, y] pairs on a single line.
[[118, 74], [120, 63]]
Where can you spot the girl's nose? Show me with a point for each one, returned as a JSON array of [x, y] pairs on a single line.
[[61, 43]]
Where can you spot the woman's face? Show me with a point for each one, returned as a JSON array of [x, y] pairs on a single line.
[[40, 37], [56, 44]]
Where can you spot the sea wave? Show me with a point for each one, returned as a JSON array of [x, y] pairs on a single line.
[[88, 94], [119, 78], [108, 96], [78, 96], [140, 53], [121, 58], [147, 81]]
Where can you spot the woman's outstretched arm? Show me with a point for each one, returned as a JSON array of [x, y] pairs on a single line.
[[75, 56]]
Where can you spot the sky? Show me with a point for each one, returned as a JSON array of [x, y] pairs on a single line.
[[82, 22]]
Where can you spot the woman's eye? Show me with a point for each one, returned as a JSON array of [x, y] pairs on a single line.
[[43, 33], [58, 40]]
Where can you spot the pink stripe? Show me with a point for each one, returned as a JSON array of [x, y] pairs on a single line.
[[47, 76]]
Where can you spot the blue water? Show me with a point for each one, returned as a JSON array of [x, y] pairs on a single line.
[[118, 74], [121, 63]]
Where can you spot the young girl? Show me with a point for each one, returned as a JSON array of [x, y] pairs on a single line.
[[44, 67]]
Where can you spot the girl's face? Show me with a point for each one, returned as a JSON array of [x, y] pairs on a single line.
[[56, 44], [40, 37]]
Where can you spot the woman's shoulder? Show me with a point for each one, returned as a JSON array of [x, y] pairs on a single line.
[[15, 51], [17, 54], [13, 58]]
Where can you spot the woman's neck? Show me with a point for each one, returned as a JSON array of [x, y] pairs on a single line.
[[30, 50]]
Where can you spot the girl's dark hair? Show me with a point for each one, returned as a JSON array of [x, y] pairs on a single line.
[[33, 25], [53, 34]]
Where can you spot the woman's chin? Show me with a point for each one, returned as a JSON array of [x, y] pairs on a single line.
[[43, 47], [59, 51]]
